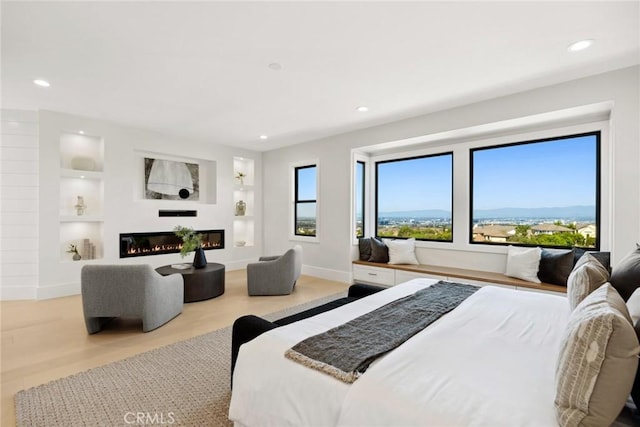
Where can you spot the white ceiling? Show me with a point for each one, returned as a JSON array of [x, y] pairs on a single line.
[[199, 70]]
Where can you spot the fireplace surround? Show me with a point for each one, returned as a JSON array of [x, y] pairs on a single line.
[[164, 242]]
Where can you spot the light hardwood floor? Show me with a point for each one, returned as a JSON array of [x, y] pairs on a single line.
[[47, 340]]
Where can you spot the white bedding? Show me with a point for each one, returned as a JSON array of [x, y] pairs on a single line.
[[489, 362]]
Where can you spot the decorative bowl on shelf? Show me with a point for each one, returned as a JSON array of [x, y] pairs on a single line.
[[240, 243]]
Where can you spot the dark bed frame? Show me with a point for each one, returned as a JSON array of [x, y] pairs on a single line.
[[249, 327]]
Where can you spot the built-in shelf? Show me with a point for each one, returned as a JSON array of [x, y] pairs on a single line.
[[239, 187], [81, 178], [81, 174], [81, 218], [243, 225]]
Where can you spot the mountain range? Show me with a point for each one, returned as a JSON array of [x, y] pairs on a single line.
[[555, 212]]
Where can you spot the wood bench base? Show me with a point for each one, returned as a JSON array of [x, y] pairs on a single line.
[[466, 274]]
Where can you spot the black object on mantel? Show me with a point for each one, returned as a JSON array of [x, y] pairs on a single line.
[[177, 213]]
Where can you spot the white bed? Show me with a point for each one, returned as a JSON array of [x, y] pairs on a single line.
[[489, 362]]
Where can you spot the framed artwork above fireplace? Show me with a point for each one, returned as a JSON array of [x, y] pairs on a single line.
[[171, 180]]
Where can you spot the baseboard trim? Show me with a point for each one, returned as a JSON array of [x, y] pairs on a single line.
[[327, 273], [57, 291], [15, 293]]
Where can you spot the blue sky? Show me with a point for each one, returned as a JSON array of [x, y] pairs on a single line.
[[550, 174], [423, 183], [307, 191], [307, 184], [358, 190]]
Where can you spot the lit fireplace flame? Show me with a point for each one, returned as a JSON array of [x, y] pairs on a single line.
[[166, 248], [164, 242]]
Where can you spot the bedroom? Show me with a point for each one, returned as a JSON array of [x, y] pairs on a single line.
[[607, 79]]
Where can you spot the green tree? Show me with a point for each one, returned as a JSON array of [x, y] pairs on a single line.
[[405, 231], [522, 230]]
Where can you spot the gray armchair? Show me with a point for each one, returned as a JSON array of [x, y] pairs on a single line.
[[275, 275], [137, 291]]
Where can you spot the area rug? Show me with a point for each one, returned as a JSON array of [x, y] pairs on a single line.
[[185, 383]]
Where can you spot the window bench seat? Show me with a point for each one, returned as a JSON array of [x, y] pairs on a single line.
[[390, 275]]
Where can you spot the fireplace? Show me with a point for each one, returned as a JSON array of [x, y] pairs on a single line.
[[164, 242]]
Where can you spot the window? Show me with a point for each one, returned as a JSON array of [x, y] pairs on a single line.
[[305, 201], [539, 193], [359, 198], [414, 197]]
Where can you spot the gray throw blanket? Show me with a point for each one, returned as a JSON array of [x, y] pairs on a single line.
[[346, 351]]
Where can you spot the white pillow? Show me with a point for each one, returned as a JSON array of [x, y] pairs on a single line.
[[402, 251], [633, 305], [523, 263], [587, 276]]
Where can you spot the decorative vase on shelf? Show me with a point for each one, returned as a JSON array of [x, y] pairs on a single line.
[[240, 177], [199, 260], [80, 206], [73, 249], [241, 208]]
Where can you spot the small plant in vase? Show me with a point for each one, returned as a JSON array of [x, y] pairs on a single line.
[[73, 249], [240, 176], [191, 241]]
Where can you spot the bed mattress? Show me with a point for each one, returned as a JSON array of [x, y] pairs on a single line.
[[489, 362]]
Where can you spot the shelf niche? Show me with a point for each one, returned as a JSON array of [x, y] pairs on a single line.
[[243, 225], [81, 174]]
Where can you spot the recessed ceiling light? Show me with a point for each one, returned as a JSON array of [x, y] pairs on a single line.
[[81, 132], [580, 45], [275, 66], [81, 176], [363, 109], [42, 83], [264, 137]]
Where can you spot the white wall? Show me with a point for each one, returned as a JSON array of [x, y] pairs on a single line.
[[124, 209], [333, 254], [19, 204]]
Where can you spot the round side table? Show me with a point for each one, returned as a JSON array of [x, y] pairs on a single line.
[[199, 283]]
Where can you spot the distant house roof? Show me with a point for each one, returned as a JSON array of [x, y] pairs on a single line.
[[583, 226], [495, 230], [551, 228]]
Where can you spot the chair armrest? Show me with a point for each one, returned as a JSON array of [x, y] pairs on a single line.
[[161, 290], [269, 258], [360, 290], [244, 330], [172, 281]]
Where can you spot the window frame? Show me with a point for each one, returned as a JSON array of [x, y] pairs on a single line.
[[375, 199], [293, 234], [598, 187]]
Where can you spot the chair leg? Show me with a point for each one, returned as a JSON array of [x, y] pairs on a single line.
[[95, 324]]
